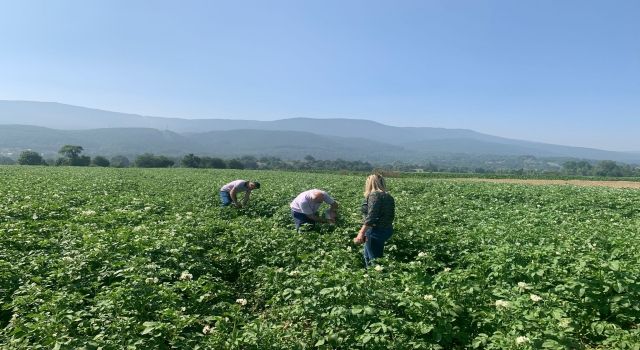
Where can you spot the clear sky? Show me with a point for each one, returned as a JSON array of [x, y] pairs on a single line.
[[559, 71]]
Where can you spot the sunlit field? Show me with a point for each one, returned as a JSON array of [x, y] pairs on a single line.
[[146, 259]]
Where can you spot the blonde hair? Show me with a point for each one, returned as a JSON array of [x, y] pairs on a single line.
[[375, 183]]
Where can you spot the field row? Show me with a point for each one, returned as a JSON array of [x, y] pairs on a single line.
[[146, 259]]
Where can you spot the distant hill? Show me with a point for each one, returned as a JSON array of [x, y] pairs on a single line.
[[131, 141], [95, 141], [353, 139]]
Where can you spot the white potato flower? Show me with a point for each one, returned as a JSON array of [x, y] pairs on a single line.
[[241, 301], [139, 228], [186, 276], [535, 298], [502, 304]]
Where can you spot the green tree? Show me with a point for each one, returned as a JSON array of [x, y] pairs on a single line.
[[100, 161], [249, 162], [235, 164], [570, 167], [608, 168], [30, 158], [190, 161], [70, 151], [120, 162], [71, 156], [148, 160], [215, 163]]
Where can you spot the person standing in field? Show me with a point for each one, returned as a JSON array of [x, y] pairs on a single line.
[[304, 208], [379, 212], [229, 192]]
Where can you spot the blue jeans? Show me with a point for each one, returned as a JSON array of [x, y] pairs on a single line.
[[300, 218], [374, 246], [225, 197]]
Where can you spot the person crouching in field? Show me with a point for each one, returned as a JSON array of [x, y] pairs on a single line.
[[229, 192], [304, 208], [379, 211]]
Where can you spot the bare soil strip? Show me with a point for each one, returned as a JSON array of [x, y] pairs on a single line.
[[612, 184]]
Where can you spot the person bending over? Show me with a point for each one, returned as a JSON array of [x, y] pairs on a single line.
[[304, 208], [229, 192]]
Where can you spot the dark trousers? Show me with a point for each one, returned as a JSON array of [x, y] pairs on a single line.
[[300, 218]]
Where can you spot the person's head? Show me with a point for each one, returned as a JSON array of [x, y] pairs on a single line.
[[374, 183], [253, 185], [317, 196]]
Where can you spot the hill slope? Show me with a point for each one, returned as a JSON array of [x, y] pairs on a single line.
[[326, 138], [130, 141]]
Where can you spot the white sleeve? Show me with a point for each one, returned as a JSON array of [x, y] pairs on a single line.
[[306, 208], [328, 199]]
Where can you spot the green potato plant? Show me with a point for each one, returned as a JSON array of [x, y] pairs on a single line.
[[94, 258]]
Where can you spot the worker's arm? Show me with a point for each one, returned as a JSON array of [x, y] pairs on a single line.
[[245, 200], [234, 198]]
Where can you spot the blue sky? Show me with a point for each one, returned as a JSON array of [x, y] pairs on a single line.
[[565, 72]]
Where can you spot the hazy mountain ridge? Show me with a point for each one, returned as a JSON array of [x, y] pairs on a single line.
[[107, 132], [132, 141]]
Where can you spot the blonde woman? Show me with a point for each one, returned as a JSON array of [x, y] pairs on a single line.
[[379, 211]]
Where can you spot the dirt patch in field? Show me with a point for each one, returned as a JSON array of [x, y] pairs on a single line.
[[612, 184]]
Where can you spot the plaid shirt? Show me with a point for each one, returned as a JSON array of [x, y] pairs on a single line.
[[380, 210]]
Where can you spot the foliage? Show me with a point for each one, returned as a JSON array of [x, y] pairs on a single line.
[[120, 162], [149, 160], [78, 161], [71, 156], [215, 163], [146, 259], [100, 161], [606, 168], [30, 158], [235, 164], [191, 161], [71, 151]]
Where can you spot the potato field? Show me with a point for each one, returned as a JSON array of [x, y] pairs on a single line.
[[97, 258]]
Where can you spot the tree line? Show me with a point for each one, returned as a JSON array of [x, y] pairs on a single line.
[[606, 168], [71, 155]]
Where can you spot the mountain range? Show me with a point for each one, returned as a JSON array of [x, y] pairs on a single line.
[[46, 126]]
